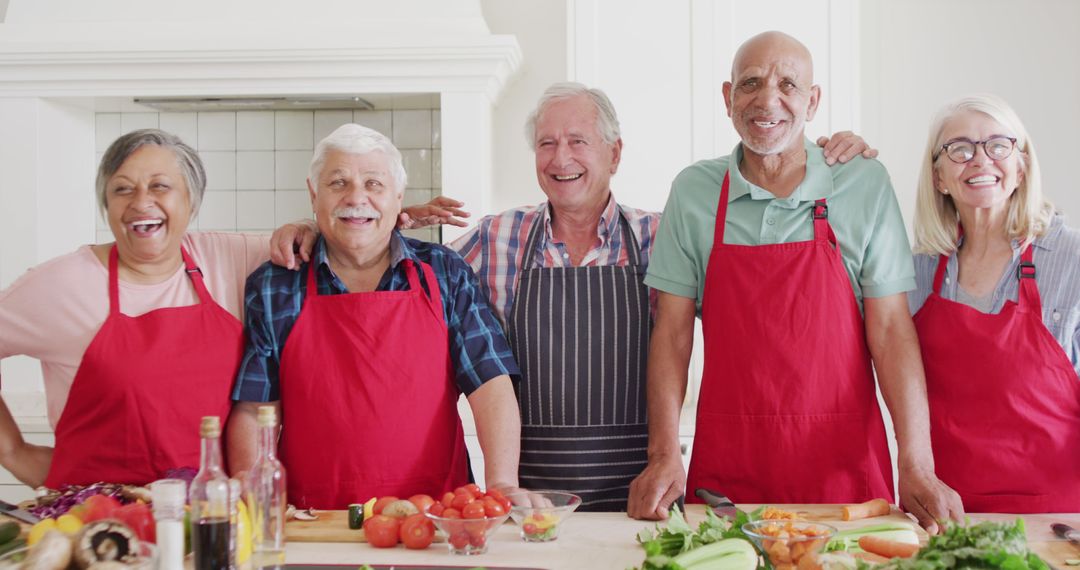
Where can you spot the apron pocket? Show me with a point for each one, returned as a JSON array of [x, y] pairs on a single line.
[[818, 458]]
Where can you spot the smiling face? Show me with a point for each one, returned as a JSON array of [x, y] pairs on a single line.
[[771, 94], [356, 201], [574, 164], [980, 182], [148, 205]]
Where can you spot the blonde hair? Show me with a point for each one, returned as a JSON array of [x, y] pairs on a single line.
[[936, 218]]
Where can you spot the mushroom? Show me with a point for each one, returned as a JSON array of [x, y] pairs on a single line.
[[105, 541]]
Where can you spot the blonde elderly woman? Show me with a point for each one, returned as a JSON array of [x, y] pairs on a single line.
[[139, 338], [997, 310]]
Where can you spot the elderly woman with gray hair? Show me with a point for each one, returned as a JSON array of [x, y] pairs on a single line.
[[997, 310], [139, 338]]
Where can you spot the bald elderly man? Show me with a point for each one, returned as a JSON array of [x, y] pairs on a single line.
[[798, 272]]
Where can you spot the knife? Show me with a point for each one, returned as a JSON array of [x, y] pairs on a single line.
[[17, 513], [1067, 532], [720, 504]]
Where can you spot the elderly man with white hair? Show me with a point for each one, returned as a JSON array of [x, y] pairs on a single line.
[[367, 347], [566, 278]]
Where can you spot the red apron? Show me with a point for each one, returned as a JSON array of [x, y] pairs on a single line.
[[1004, 402], [142, 386], [369, 404], [787, 412]]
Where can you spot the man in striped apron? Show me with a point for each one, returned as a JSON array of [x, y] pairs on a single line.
[[566, 277]]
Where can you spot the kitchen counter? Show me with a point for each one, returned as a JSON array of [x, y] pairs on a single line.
[[598, 541]]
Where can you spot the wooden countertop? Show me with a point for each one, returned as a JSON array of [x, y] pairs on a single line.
[[606, 540]]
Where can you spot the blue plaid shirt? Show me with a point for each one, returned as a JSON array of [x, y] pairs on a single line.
[[274, 295]]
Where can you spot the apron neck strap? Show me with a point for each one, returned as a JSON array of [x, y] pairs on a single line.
[[1028, 296], [196, 276], [433, 295], [193, 271], [633, 252], [312, 285], [532, 242], [822, 230], [721, 211]]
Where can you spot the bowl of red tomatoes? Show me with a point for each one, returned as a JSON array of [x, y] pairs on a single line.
[[468, 517], [540, 513]]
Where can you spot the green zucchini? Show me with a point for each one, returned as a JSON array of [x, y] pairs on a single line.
[[12, 545], [9, 531]]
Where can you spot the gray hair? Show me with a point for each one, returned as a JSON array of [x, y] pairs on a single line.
[[121, 149], [357, 139], [607, 122]]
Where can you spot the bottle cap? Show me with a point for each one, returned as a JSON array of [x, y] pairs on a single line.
[[210, 427], [169, 493], [267, 416]]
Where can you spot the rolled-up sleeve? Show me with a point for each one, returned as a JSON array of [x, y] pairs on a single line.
[[887, 267]]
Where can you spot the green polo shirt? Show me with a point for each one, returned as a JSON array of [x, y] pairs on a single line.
[[863, 213]]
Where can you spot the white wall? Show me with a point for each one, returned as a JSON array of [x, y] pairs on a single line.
[[919, 54]]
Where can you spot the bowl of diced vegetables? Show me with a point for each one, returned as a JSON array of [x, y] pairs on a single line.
[[787, 542], [540, 514]]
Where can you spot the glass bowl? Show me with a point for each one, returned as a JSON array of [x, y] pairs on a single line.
[[540, 513], [467, 536], [786, 542], [147, 560]]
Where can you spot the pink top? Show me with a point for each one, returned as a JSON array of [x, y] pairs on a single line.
[[53, 311]]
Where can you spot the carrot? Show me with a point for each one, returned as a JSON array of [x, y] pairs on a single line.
[[887, 548], [870, 557], [871, 508]]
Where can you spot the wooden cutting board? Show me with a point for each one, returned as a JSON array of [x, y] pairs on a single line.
[[331, 526]]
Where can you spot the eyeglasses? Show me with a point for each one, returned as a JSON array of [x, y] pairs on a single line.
[[963, 150]]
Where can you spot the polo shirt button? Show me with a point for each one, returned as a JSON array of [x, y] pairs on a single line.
[[1057, 316], [771, 222]]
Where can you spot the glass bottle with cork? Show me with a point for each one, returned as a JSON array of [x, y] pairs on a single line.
[[266, 494], [209, 498]]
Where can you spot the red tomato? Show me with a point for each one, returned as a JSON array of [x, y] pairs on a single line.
[[100, 507], [530, 528], [381, 504], [436, 509], [459, 539], [451, 513], [493, 508], [447, 499], [422, 502], [138, 517], [381, 531], [417, 531], [461, 499], [473, 510]]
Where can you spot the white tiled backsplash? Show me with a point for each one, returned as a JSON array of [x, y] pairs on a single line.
[[257, 161]]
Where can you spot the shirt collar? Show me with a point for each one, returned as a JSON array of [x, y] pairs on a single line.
[[399, 251], [817, 184], [1046, 242], [605, 228]]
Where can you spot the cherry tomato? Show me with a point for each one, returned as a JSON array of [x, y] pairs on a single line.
[[501, 498], [422, 502], [473, 489], [381, 504], [417, 531], [451, 513], [436, 509], [477, 540], [447, 499], [473, 510], [462, 499], [493, 508], [381, 531], [530, 529], [459, 539]]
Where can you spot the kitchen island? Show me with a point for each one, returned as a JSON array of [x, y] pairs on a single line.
[[606, 541]]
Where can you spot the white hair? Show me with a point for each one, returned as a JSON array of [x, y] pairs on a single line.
[[936, 218], [607, 123], [358, 139]]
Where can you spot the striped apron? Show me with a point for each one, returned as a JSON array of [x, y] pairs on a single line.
[[581, 336]]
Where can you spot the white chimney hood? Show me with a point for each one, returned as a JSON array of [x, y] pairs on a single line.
[[60, 60]]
